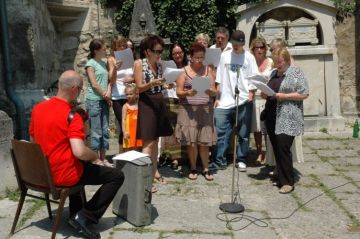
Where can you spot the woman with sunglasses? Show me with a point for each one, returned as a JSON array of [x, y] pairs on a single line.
[[153, 121], [258, 48]]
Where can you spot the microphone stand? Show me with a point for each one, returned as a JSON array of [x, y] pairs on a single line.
[[234, 207]]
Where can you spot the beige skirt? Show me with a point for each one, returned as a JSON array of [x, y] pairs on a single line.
[[195, 125]]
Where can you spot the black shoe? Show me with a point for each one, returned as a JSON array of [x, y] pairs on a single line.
[[79, 223]]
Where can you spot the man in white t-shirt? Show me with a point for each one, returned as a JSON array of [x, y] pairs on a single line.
[[222, 40], [231, 79]]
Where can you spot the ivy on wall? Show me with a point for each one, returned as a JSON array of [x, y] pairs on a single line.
[[181, 20]]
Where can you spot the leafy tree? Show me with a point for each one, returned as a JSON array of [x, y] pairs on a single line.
[[181, 20]]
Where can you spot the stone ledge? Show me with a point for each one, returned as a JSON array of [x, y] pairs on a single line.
[[331, 123]]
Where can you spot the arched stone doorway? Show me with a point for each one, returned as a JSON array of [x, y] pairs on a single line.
[[308, 27]]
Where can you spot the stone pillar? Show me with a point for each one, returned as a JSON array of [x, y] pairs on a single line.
[[7, 175]]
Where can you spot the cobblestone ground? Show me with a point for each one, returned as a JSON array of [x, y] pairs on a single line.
[[190, 209]]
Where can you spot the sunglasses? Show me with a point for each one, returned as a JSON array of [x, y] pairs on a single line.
[[159, 52], [259, 47]]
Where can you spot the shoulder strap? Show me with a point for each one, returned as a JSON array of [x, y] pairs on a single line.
[[72, 114]]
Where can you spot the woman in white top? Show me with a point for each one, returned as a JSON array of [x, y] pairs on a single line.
[[258, 48], [118, 79]]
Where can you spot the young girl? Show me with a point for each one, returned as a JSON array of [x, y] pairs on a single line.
[[129, 121]]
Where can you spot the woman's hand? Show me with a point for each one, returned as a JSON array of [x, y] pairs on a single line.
[[157, 82], [263, 95], [191, 92], [118, 64], [126, 135], [210, 92]]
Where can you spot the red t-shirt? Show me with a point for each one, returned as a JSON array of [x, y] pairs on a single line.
[[49, 128]]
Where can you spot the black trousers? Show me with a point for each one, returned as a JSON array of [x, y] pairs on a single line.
[[117, 107], [284, 163], [110, 180]]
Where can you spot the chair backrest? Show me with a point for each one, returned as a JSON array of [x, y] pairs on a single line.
[[32, 167]]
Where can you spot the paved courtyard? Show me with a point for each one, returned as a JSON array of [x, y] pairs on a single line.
[[190, 209]]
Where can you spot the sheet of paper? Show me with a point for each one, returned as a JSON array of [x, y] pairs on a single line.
[[212, 56], [127, 58], [168, 64], [130, 156], [201, 84], [263, 87], [171, 74], [258, 78]]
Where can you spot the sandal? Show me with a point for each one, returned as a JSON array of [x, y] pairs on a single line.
[[153, 189], [193, 175], [286, 189], [174, 164], [160, 180], [207, 175]]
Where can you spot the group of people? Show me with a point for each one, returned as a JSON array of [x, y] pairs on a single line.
[[204, 123]]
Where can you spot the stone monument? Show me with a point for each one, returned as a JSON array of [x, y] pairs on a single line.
[[142, 21]]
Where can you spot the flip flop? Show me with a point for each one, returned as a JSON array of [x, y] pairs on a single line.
[[207, 175], [153, 189], [160, 180], [193, 175], [286, 189]]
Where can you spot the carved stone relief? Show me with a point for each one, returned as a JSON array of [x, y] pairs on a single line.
[[271, 29], [303, 30]]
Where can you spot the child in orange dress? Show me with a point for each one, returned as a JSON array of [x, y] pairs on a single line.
[[129, 121]]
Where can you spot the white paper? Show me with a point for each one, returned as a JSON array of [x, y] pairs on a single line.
[[168, 64], [212, 56], [129, 156], [171, 74], [127, 58], [263, 87], [260, 78], [201, 84]]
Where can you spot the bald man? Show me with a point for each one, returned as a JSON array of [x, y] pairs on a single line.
[[62, 141]]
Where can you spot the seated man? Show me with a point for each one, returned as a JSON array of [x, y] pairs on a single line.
[[62, 141]]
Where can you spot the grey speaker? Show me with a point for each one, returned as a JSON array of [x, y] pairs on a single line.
[[133, 200]]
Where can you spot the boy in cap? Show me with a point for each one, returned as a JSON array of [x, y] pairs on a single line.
[[231, 80]]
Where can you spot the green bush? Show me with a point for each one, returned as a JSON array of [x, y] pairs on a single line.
[[181, 20]]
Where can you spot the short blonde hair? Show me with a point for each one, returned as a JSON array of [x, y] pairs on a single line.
[[130, 86], [203, 36], [281, 52]]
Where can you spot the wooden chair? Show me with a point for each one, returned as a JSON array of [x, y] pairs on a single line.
[[33, 172]]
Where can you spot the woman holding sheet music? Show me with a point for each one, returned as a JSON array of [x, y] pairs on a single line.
[[118, 78], [258, 48], [194, 126], [284, 117], [153, 121]]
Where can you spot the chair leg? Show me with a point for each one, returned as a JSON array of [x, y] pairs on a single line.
[[18, 210], [63, 195], [48, 205]]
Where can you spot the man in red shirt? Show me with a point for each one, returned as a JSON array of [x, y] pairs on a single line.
[[69, 158]]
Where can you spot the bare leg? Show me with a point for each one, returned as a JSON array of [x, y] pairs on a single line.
[[150, 148], [204, 155], [258, 143], [192, 154]]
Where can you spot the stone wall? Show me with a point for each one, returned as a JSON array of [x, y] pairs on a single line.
[[345, 42], [6, 167]]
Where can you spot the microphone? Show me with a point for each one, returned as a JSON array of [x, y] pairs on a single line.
[[237, 79]]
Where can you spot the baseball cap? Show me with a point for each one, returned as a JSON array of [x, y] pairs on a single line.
[[238, 37]]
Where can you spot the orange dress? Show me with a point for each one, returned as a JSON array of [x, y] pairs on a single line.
[[130, 127]]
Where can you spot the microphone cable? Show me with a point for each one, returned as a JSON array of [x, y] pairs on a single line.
[[261, 222]]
